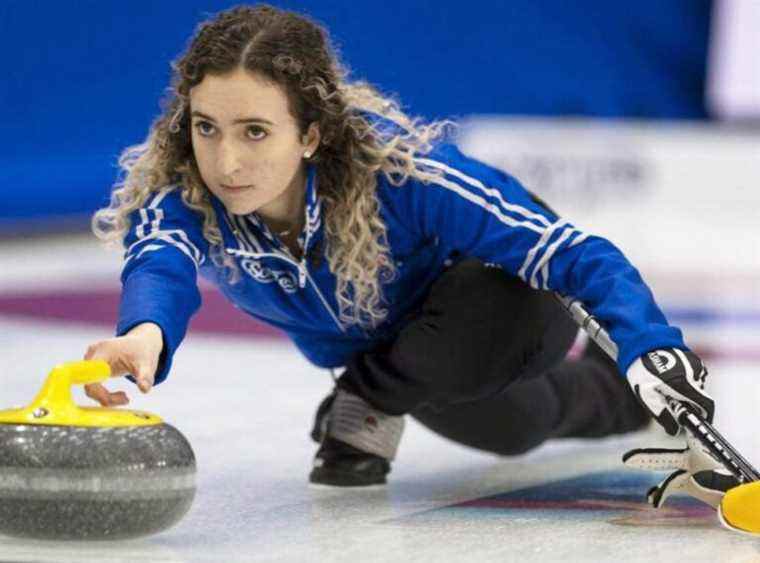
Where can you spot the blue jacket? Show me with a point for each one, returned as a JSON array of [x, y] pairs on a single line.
[[474, 210]]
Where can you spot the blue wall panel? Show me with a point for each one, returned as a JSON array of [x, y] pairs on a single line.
[[82, 79]]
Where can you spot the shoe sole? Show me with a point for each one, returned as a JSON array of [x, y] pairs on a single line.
[[325, 486], [340, 479]]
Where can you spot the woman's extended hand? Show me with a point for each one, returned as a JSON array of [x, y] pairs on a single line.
[[136, 353]]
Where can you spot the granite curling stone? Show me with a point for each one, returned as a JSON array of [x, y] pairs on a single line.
[[89, 473]]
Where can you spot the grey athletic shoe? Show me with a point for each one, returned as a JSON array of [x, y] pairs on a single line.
[[357, 442]]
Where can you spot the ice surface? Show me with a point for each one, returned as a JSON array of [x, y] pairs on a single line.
[[246, 407]]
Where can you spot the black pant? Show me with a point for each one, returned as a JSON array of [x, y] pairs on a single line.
[[483, 363]]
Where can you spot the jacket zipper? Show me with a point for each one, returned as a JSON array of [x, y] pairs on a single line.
[[303, 275]]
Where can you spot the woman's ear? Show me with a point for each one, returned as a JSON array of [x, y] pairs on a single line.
[[311, 140]]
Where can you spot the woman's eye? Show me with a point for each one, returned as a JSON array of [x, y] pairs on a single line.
[[256, 133], [204, 128]]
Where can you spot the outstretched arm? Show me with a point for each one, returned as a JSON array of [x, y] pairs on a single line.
[[164, 249]]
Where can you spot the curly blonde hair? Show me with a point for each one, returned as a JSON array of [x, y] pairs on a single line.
[[295, 53]]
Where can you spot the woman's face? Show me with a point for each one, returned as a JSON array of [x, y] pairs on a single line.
[[248, 146]]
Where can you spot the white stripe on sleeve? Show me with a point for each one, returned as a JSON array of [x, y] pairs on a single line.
[[158, 213], [542, 252], [140, 230], [183, 243], [493, 209], [579, 239], [523, 272], [525, 212], [175, 237], [171, 241], [543, 263]]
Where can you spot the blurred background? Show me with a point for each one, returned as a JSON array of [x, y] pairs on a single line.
[[638, 121], [83, 78]]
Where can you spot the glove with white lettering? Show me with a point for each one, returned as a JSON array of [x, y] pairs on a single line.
[[696, 473], [670, 373]]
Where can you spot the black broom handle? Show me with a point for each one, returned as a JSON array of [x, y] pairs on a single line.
[[702, 430]]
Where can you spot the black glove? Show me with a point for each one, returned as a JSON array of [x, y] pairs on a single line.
[[670, 373]]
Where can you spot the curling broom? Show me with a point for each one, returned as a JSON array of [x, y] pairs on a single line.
[[740, 508]]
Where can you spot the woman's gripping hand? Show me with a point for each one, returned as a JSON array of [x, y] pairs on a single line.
[[136, 353]]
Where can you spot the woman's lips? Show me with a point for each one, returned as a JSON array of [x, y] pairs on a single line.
[[235, 188]]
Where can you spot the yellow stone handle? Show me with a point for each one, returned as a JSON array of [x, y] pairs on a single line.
[[86, 371], [56, 392], [54, 404]]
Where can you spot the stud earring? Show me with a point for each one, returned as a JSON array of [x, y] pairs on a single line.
[[307, 155]]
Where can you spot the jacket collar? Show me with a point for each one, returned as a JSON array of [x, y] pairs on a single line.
[[255, 235]]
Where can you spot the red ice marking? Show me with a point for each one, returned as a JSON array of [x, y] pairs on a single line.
[[526, 504], [100, 307], [616, 497], [675, 512]]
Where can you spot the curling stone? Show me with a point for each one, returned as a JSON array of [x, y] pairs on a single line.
[[89, 473]]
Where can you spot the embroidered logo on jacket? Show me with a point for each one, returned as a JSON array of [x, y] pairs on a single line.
[[286, 280]]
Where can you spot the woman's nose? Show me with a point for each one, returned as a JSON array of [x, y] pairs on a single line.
[[229, 159]]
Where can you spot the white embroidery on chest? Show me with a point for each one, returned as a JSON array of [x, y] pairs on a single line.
[[286, 280]]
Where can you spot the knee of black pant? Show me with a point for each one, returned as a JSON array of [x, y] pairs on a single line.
[[517, 445], [477, 329], [502, 425]]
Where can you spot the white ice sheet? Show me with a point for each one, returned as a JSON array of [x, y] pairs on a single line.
[[246, 407]]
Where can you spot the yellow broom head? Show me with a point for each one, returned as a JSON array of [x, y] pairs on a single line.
[[740, 507]]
